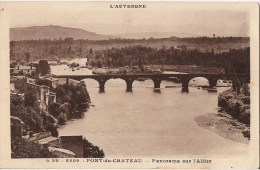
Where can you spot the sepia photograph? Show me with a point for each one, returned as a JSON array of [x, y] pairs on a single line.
[[130, 84]]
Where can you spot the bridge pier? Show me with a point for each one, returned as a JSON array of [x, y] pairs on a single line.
[[157, 84], [185, 87], [102, 83], [129, 85], [67, 80], [185, 84], [212, 82]]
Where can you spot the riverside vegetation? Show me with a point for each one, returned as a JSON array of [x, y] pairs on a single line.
[[237, 105], [233, 118]]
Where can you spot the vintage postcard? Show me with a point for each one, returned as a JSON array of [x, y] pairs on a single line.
[[129, 85]]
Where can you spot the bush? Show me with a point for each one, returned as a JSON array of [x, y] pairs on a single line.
[[30, 99], [91, 151], [62, 118], [16, 100], [72, 99]]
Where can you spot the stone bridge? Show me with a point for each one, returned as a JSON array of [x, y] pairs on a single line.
[[157, 78]]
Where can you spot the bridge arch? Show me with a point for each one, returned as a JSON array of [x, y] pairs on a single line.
[[198, 81], [143, 82], [212, 81], [91, 83], [169, 83], [153, 81], [101, 81], [117, 82]]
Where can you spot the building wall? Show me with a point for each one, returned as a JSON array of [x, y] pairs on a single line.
[[44, 97], [43, 94], [21, 83]]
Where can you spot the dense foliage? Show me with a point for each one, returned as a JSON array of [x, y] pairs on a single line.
[[235, 60], [30, 99], [21, 148], [43, 67], [29, 114], [91, 151], [72, 101]]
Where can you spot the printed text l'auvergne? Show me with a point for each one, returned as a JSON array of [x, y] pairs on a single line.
[[128, 6]]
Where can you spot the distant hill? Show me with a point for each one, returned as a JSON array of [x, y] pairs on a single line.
[[147, 35], [53, 32]]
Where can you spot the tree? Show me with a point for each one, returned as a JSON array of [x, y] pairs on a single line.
[[43, 67], [91, 51], [29, 115], [27, 57]]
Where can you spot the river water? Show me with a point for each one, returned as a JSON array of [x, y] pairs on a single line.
[[148, 124]]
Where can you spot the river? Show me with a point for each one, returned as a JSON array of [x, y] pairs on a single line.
[[148, 124]]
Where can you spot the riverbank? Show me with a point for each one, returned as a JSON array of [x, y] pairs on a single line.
[[225, 126], [233, 118]]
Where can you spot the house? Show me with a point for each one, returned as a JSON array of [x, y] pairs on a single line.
[[43, 94], [52, 62], [21, 69], [52, 82], [20, 83]]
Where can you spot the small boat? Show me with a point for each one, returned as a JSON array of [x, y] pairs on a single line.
[[140, 79], [169, 86], [204, 87], [212, 90]]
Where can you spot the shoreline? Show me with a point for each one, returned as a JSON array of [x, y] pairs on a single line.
[[225, 126]]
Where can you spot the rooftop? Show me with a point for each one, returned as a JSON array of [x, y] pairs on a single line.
[[47, 140], [51, 79], [52, 149], [17, 119], [22, 67]]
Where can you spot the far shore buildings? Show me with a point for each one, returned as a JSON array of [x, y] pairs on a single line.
[[21, 69]]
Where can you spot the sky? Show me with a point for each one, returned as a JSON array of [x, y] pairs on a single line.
[[195, 19]]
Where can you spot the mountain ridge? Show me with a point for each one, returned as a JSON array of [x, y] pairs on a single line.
[[147, 35], [53, 32]]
